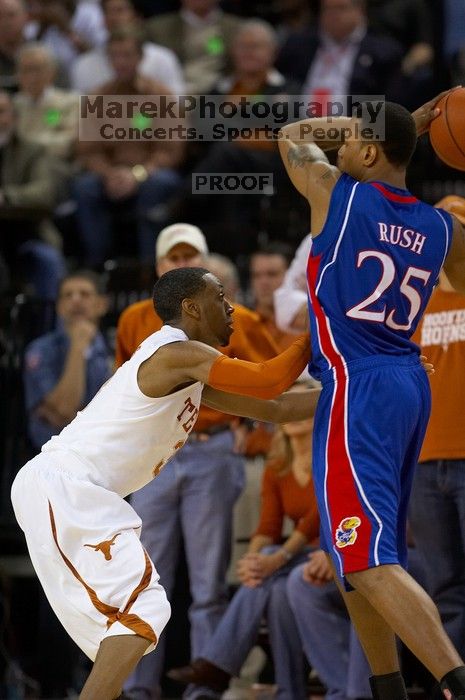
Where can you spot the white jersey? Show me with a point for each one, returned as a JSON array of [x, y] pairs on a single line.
[[122, 439]]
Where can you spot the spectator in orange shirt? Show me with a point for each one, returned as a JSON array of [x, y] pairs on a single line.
[[287, 490], [437, 505], [195, 494]]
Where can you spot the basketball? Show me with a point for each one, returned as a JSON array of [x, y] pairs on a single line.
[[447, 132]]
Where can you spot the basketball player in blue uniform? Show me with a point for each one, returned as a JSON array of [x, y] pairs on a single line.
[[375, 258]]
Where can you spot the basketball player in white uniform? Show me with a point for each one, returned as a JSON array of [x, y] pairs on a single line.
[[83, 537]]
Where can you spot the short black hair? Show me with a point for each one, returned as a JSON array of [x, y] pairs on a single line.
[[400, 134], [175, 286], [98, 281]]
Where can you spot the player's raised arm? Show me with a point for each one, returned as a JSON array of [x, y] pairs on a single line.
[[286, 408], [306, 164]]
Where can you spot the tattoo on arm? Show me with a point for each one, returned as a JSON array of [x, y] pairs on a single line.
[[297, 156]]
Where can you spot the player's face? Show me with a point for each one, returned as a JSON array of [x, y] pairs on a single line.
[[216, 313], [348, 157]]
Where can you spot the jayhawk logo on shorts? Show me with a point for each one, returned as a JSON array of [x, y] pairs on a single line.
[[346, 533]]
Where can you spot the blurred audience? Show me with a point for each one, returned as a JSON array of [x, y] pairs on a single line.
[[326, 630], [253, 76], [140, 174], [341, 56], [286, 491], [46, 115], [28, 195], [223, 268], [67, 27], [64, 369], [93, 68], [409, 22], [202, 36], [13, 19], [437, 504], [453, 43], [291, 298]]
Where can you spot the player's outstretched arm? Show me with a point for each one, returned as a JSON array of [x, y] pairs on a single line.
[[181, 363], [286, 408], [454, 266]]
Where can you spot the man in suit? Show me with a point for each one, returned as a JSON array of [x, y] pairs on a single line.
[[201, 36], [342, 56]]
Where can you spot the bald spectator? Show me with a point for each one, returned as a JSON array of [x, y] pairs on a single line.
[[136, 173], [13, 19], [202, 36], [46, 115], [94, 68]]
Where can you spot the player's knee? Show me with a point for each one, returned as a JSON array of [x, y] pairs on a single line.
[[369, 581]]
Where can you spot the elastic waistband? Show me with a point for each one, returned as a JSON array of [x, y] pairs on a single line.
[[365, 364]]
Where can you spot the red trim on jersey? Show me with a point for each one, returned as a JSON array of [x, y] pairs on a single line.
[[341, 489], [401, 198]]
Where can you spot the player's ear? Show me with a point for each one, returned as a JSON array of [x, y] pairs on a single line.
[[191, 308], [369, 154]]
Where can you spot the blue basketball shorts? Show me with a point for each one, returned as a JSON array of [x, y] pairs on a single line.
[[369, 427]]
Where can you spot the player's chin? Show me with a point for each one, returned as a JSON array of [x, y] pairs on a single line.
[[226, 336]]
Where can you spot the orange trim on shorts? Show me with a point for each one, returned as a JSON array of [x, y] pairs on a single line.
[[131, 621]]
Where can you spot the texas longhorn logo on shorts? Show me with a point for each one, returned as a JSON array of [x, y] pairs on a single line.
[[104, 547], [346, 533]]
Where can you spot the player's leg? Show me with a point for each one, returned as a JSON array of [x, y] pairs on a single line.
[[115, 660], [410, 612]]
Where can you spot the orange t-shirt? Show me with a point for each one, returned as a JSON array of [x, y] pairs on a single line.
[[281, 496], [441, 336], [249, 341]]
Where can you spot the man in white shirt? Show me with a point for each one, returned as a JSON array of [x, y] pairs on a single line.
[[158, 63]]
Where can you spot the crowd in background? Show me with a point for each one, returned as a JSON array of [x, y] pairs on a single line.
[[85, 229]]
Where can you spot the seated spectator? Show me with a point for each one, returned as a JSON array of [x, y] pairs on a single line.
[[137, 173], [13, 20], [94, 68], [46, 115], [28, 195], [64, 369], [67, 27], [286, 491], [341, 56], [254, 76], [201, 36], [326, 631], [291, 298]]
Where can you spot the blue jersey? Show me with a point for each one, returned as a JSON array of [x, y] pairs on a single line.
[[371, 272]]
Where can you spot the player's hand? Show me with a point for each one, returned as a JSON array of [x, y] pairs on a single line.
[[427, 366], [317, 570], [424, 115]]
